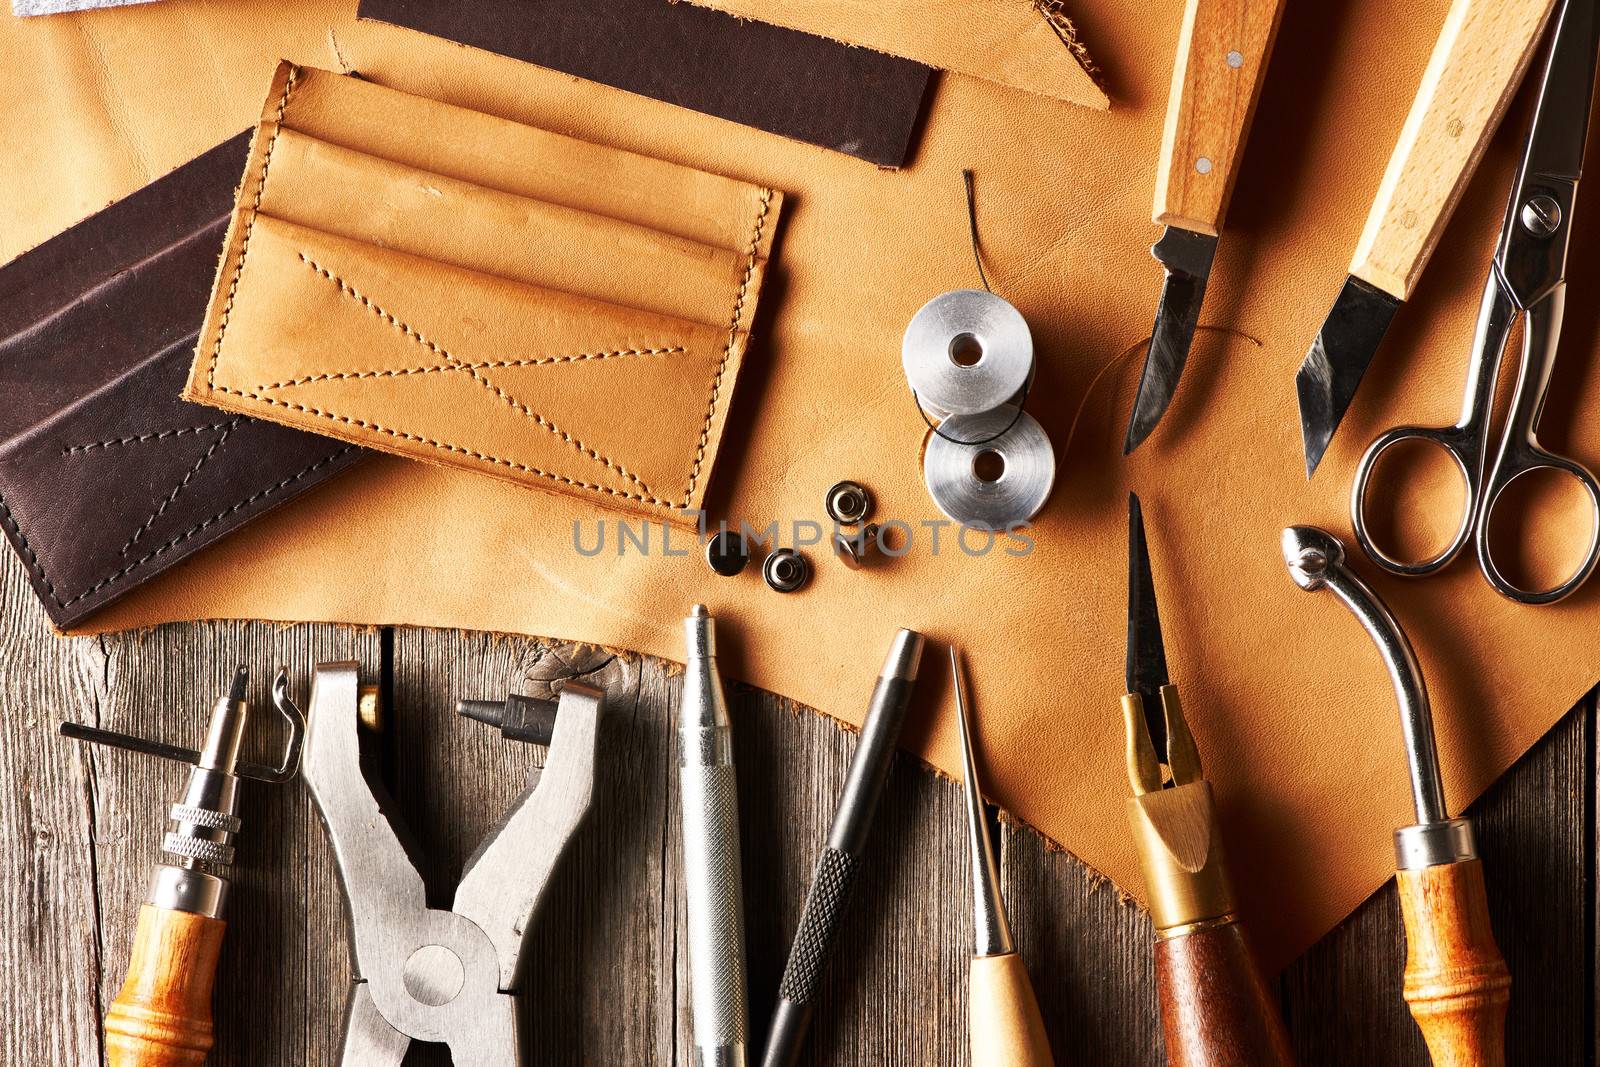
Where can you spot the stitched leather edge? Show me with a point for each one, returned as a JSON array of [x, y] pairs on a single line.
[[733, 336], [250, 226], [37, 569], [752, 258], [465, 365]]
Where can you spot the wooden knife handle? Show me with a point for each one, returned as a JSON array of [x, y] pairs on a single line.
[[1006, 1028], [1477, 63], [1215, 1009], [1456, 981], [1222, 58], [162, 1016]]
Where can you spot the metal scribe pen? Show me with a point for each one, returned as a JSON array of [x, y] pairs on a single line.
[[830, 886], [713, 891]]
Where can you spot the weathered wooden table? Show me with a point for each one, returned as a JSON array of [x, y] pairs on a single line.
[[80, 828]]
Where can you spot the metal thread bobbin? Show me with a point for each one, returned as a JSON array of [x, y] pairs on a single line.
[[1003, 481], [965, 352]]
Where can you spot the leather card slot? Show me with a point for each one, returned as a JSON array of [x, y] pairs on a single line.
[[146, 223], [120, 320], [436, 362], [498, 153], [492, 232]]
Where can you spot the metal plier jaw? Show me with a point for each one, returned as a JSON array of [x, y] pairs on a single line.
[[424, 973]]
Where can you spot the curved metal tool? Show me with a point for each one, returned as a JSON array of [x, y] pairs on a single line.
[[425, 973], [1456, 981], [1316, 560]]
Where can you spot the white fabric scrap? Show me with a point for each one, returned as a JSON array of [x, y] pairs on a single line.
[[56, 7]]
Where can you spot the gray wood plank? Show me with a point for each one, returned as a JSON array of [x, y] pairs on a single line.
[[80, 829], [1343, 998]]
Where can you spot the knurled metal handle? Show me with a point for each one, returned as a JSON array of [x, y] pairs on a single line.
[[819, 923], [715, 903], [206, 817], [197, 848]]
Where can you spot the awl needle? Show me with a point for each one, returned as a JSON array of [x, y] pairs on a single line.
[[1004, 1025]]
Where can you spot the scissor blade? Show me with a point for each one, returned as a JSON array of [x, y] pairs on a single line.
[[1146, 667], [1186, 257], [1561, 122], [1327, 379]]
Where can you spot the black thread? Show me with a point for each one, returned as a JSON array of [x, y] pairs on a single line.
[[977, 257]]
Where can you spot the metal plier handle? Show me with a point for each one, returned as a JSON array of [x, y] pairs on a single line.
[[424, 973]]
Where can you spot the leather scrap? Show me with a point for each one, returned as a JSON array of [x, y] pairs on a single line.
[[1033, 45], [852, 100], [106, 477]]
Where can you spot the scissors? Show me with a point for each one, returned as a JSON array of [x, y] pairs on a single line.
[[1528, 275]]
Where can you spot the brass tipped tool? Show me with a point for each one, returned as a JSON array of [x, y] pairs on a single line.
[[1215, 1008], [1004, 1024]]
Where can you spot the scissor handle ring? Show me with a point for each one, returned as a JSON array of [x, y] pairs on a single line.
[[1538, 460], [1444, 439]]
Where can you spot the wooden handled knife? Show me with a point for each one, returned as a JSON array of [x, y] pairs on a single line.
[[1477, 63], [1222, 58]]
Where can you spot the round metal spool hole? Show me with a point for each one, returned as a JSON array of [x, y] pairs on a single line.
[[966, 351], [995, 484], [786, 570], [849, 503]]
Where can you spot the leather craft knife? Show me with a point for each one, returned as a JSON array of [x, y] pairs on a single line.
[[1477, 62], [1216, 1011], [1222, 55]]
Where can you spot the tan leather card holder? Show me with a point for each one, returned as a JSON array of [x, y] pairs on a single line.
[[458, 288]]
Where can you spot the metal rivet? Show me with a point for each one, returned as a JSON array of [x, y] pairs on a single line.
[[727, 553], [1203, 165], [1235, 60], [369, 709], [1541, 215], [785, 570], [856, 550], [849, 503]]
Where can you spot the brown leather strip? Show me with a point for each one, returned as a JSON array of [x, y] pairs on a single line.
[[853, 100]]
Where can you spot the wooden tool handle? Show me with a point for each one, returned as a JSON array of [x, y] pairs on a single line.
[[1006, 1029], [1478, 61], [1456, 982], [1215, 1009], [162, 1016], [1222, 57]]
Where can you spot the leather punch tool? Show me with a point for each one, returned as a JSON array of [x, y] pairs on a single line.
[[431, 974], [162, 1015], [1456, 982], [1215, 1008]]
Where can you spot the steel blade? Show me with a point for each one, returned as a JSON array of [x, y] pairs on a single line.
[[1146, 667], [1186, 257], [1327, 379]]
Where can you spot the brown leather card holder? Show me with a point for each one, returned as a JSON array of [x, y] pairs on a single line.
[[473, 292], [800, 85], [107, 477]]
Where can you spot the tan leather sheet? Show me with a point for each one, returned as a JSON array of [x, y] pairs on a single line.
[[1287, 698], [1033, 45], [446, 285]]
